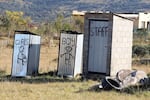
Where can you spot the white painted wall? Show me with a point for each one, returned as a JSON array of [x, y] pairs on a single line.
[[143, 17], [79, 55], [121, 52]]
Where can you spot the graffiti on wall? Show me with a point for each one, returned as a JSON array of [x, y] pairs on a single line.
[[68, 44], [99, 28], [21, 56], [99, 31]]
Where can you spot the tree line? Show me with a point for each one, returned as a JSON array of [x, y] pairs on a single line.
[[16, 20]]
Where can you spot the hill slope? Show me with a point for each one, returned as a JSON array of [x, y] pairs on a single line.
[[48, 9]]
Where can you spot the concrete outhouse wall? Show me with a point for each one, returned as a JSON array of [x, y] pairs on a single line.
[[118, 45], [121, 49]]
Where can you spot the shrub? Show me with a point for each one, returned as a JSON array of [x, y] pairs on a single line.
[[140, 51]]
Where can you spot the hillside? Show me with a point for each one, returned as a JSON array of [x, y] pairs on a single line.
[[48, 9]]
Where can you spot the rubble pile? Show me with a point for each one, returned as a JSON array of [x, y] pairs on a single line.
[[125, 78]]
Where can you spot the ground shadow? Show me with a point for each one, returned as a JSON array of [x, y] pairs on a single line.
[[136, 89], [40, 78], [95, 88]]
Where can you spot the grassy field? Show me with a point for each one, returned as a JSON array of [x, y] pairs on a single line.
[[63, 91], [47, 86]]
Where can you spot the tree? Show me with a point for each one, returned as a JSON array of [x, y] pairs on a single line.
[[17, 21], [58, 23], [67, 26], [78, 22], [4, 23]]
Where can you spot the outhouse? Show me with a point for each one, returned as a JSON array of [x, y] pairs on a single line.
[[107, 43], [26, 54], [70, 54]]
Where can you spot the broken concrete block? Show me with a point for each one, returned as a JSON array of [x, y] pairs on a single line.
[[135, 77], [122, 74], [125, 78]]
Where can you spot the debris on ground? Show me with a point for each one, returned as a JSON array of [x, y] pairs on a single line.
[[125, 78]]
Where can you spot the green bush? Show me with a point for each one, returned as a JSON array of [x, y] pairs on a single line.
[[140, 51], [148, 48]]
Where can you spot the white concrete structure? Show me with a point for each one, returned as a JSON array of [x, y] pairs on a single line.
[[129, 15], [78, 13], [133, 17], [141, 20], [107, 43], [144, 20]]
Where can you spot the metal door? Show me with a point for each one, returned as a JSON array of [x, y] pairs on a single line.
[[98, 35], [67, 54], [20, 55]]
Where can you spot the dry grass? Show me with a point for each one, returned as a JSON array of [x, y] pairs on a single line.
[[48, 59], [145, 68], [62, 91], [53, 88]]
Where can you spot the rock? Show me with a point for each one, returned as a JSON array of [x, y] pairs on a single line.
[[122, 74], [125, 78], [134, 78]]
